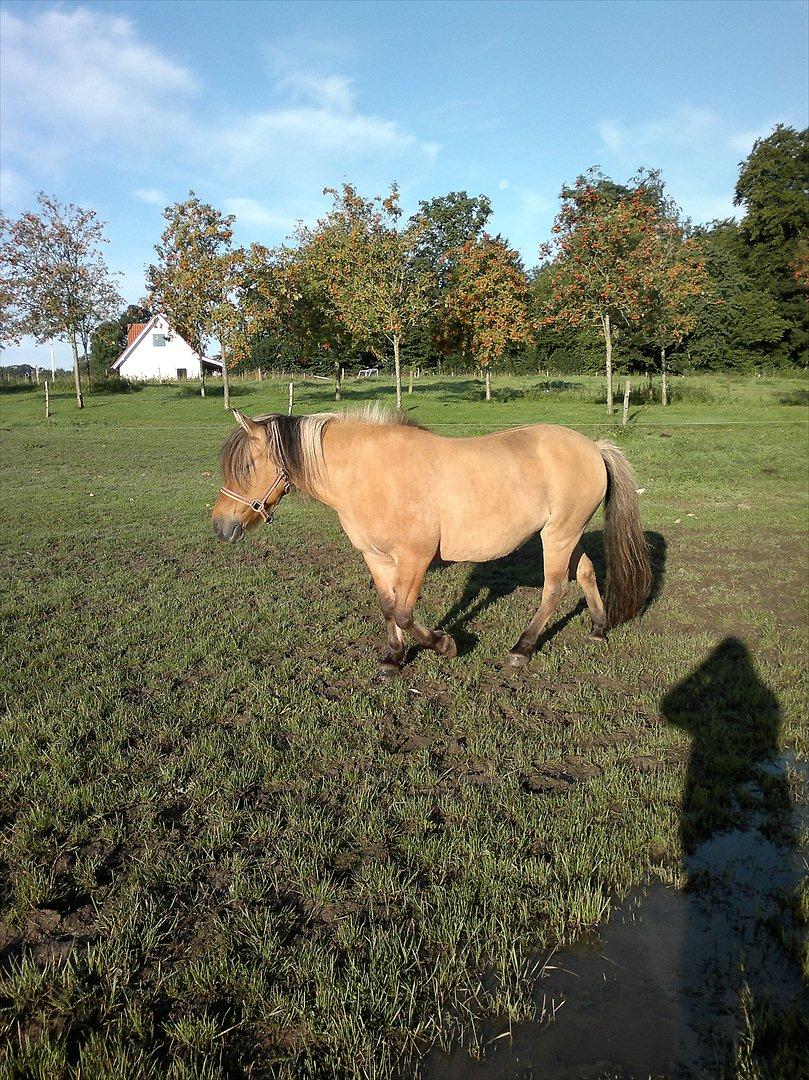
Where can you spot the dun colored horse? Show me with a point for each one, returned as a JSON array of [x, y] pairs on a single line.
[[406, 496]]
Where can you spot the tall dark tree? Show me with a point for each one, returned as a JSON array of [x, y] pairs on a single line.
[[444, 225], [773, 188], [737, 324]]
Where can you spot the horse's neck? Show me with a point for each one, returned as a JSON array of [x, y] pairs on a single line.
[[345, 447]]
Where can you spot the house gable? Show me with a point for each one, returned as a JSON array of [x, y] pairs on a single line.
[[155, 351]]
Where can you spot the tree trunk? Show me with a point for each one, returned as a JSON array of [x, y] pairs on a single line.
[[410, 381], [398, 369], [627, 394], [337, 381], [664, 390], [201, 378], [488, 384], [85, 344], [225, 380], [76, 373], [608, 346]]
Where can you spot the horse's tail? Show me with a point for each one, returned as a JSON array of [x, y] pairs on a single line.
[[629, 569]]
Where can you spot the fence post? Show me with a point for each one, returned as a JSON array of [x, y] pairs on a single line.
[[291, 396], [627, 391], [47, 401]]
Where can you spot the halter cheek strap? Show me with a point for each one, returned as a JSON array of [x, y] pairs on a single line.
[[259, 506]]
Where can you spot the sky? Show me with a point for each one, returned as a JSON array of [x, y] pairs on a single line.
[[125, 106]]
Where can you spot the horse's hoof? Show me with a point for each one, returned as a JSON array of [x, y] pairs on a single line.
[[597, 635], [447, 647], [516, 660], [387, 672]]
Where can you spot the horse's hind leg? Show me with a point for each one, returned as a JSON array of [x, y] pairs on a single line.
[[557, 557], [582, 567]]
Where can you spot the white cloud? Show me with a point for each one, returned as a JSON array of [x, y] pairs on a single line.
[[152, 196], [742, 142], [76, 77], [86, 80], [13, 189], [612, 135], [255, 214], [306, 133], [683, 126], [332, 92], [689, 127]]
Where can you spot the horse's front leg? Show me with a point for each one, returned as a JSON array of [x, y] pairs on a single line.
[[409, 577], [383, 572]]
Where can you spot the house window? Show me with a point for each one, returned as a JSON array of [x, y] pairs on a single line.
[[158, 340], [182, 373]]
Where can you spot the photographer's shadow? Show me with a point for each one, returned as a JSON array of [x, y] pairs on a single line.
[[737, 829]]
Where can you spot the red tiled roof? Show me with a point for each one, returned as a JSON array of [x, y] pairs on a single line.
[[133, 330]]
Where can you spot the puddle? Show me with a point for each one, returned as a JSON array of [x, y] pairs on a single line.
[[656, 991]]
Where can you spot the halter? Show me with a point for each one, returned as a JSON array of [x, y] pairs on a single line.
[[259, 506]]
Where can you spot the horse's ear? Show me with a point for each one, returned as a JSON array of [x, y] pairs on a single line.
[[254, 430]]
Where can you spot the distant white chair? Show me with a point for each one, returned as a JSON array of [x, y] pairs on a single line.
[[368, 373]]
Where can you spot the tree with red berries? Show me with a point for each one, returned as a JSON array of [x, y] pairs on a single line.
[[604, 240], [487, 299]]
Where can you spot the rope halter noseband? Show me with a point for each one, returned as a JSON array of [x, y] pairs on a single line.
[[259, 506]]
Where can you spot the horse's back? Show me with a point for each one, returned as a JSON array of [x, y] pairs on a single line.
[[471, 499], [497, 490]]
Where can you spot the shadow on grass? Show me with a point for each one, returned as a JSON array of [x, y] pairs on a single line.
[[742, 942], [490, 582], [213, 390], [19, 388], [794, 397], [698, 982]]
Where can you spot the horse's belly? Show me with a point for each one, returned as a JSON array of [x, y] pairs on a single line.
[[483, 544]]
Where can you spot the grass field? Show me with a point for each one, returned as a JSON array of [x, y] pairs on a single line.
[[227, 851]]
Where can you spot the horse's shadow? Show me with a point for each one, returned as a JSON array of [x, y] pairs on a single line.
[[490, 582]]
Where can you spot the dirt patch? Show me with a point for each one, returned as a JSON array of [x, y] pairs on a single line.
[[560, 777], [398, 738]]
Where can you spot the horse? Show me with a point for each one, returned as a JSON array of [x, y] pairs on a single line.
[[406, 497]]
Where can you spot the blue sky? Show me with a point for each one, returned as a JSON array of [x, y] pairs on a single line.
[[257, 106]]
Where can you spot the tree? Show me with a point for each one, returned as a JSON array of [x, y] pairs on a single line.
[[773, 187], [56, 281], [290, 313], [736, 323], [443, 225], [676, 279], [602, 245], [108, 340], [196, 280], [488, 297], [365, 264]]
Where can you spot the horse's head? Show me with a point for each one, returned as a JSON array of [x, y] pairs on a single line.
[[254, 483]]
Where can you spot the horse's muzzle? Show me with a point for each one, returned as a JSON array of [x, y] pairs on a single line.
[[228, 530]]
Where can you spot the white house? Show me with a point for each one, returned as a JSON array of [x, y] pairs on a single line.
[[155, 351]]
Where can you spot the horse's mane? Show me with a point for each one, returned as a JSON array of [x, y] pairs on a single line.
[[295, 443]]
